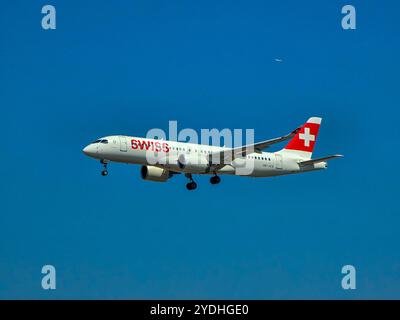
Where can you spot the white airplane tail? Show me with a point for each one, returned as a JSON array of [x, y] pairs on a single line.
[[302, 144]]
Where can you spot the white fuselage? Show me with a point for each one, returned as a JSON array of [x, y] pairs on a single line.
[[136, 150]]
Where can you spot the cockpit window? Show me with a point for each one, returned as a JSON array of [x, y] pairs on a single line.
[[105, 141]]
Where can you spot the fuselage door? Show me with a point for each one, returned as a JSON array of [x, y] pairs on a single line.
[[278, 161], [122, 144]]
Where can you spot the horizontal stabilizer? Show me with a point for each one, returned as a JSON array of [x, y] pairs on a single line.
[[312, 161]]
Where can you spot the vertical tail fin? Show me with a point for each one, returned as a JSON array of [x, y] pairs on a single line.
[[302, 144]]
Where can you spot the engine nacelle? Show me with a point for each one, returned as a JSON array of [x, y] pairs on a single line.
[[152, 173], [193, 163]]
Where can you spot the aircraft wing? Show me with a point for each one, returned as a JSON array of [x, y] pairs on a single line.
[[312, 161], [230, 154]]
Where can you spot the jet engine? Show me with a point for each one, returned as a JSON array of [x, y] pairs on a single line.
[[152, 173]]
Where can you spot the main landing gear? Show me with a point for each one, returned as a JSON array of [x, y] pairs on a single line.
[[104, 163], [191, 185], [215, 179]]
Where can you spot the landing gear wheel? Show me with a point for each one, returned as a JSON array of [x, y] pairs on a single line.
[[191, 185], [104, 163], [215, 180]]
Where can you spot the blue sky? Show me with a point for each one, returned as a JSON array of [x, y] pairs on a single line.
[[125, 67]]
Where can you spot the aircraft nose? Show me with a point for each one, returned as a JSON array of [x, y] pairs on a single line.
[[85, 150], [89, 150]]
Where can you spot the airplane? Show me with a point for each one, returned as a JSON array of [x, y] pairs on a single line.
[[171, 157]]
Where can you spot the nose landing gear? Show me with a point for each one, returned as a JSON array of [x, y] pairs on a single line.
[[104, 163]]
